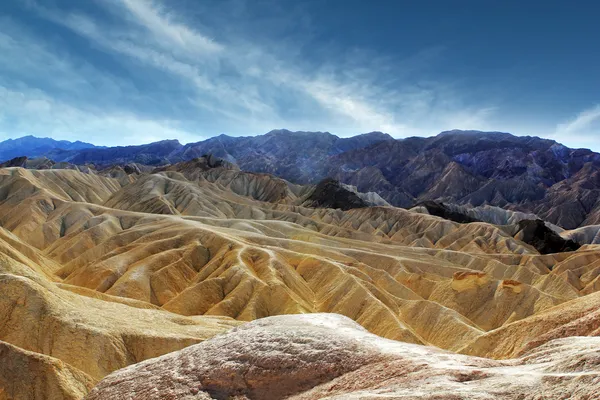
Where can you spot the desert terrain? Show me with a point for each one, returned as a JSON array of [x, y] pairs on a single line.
[[102, 272]]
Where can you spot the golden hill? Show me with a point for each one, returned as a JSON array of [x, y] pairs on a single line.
[[100, 272]]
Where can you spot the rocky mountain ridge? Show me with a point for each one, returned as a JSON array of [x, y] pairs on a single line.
[[524, 174]]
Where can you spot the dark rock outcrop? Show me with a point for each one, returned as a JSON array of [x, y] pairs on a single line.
[[544, 239], [441, 210], [131, 169], [15, 162], [329, 193]]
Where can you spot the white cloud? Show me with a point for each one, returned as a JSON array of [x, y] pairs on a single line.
[[167, 31], [246, 87], [475, 119], [581, 131], [30, 111], [582, 123], [361, 112], [31, 59], [58, 106], [200, 74]]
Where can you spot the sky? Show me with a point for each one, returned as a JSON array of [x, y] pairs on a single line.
[[122, 72]]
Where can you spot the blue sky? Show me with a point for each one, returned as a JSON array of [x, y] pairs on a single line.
[[118, 72]]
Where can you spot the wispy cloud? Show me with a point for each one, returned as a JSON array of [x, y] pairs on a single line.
[[583, 130], [186, 60], [31, 111], [168, 32], [582, 123], [27, 58], [43, 91], [218, 81]]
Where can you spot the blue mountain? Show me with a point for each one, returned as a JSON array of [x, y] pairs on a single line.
[[32, 146]]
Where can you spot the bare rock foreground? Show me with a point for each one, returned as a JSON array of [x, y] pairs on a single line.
[[329, 356]]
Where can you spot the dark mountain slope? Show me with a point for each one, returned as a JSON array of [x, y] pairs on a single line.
[[156, 153], [301, 157], [527, 174]]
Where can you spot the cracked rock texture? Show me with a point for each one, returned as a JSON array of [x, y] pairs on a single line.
[[329, 356]]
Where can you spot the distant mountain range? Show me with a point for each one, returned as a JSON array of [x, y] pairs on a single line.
[[32, 146], [530, 174]]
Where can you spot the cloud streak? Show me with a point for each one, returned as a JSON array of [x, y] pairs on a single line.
[[582, 123], [56, 119], [227, 83], [582, 130], [168, 32]]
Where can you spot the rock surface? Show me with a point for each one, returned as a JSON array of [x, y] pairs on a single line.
[[328, 356]]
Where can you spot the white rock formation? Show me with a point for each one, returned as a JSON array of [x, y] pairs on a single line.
[[329, 356]]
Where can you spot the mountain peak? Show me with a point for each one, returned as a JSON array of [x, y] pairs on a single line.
[[278, 132], [460, 132], [170, 141], [32, 146], [288, 132], [377, 134]]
